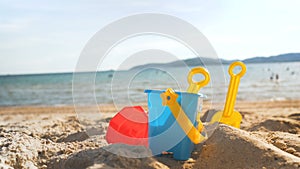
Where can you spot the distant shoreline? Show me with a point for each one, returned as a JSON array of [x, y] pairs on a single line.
[[111, 71], [200, 61]]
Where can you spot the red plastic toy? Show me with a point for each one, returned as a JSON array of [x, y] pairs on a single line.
[[129, 126]]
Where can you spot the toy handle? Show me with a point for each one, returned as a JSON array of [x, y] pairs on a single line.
[[194, 87], [169, 99], [233, 87]]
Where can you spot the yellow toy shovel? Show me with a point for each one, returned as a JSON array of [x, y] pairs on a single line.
[[194, 87], [229, 116]]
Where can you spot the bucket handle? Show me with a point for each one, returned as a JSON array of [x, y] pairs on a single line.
[[169, 99]]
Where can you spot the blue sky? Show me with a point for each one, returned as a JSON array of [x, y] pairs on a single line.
[[48, 36]]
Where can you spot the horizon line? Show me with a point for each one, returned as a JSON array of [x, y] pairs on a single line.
[[68, 72]]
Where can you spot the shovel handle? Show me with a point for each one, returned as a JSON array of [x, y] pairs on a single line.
[[194, 87], [233, 87]]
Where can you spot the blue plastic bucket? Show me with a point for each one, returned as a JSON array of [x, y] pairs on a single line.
[[165, 134]]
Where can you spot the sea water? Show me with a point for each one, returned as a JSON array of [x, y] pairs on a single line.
[[259, 83]]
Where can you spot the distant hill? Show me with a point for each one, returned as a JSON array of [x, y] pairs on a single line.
[[199, 61], [289, 57]]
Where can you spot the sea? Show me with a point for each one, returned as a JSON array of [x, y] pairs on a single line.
[[262, 82]]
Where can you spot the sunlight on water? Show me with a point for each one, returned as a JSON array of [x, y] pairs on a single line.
[[259, 83]]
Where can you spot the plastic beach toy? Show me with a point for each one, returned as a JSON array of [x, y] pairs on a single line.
[[194, 87], [165, 134], [229, 116], [173, 119], [129, 126]]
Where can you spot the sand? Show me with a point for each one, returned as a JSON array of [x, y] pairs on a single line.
[[55, 137]]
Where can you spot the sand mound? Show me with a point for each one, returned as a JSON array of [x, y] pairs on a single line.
[[233, 148], [54, 138], [18, 150], [34, 145], [79, 136], [278, 124], [287, 142], [103, 158], [58, 130], [227, 147]]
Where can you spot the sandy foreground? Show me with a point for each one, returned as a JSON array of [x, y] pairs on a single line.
[[55, 137]]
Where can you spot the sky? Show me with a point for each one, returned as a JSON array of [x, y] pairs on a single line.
[[48, 36]]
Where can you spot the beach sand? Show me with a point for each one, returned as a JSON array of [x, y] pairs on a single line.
[[54, 137]]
